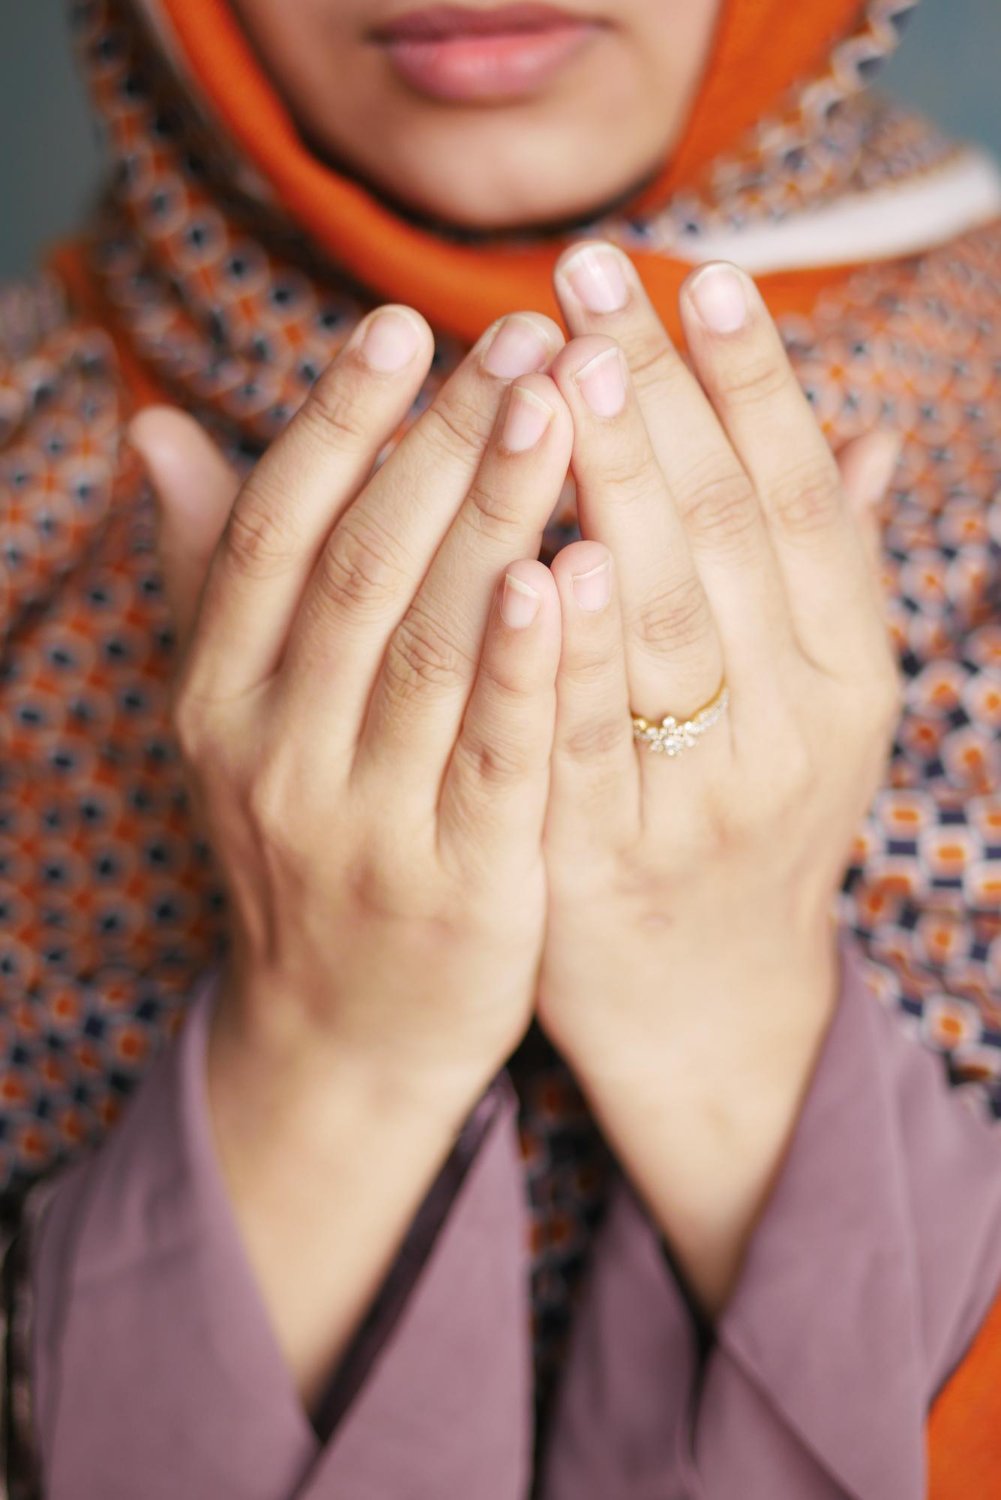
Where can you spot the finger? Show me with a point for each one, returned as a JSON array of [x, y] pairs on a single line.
[[595, 788], [431, 660], [742, 364], [281, 517], [494, 791], [194, 488], [673, 654], [867, 466], [600, 291], [372, 565]]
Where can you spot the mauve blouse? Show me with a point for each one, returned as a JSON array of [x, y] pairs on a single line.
[[154, 1372]]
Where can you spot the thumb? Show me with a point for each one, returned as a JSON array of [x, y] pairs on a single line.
[[195, 488], [867, 465]]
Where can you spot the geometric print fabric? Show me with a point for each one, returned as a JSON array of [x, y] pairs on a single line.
[[110, 907]]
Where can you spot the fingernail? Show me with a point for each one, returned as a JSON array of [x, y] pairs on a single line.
[[602, 382], [593, 589], [518, 347], [391, 340], [519, 602], [596, 277], [720, 298], [528, 417]]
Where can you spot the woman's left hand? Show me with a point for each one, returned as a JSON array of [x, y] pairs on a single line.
[[690, 968]]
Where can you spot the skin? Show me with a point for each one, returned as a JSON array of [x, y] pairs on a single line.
[[412, 748], [738, 554], [618, 107], [380, 834]]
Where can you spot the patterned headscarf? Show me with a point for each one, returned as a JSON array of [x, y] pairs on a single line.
[[211, 277]]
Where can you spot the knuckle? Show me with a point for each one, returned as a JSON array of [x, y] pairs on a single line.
[[270, 808], [374, 886], [594, 737], [781, 793], [334, 411], [264, 801], [492, 513], [721, 508], [422, 657], [677, 614], [756, 380], [494, 761], [722, 828], [506, 686], [585, 671], [451, 427], [649, 885], [632, 470], [258, 540], [189, 727], [652, 361], [464, 816], [734, 825], [650, 356], [807, 500], [357, 571]]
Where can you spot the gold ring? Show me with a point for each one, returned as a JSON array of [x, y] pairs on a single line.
[[671, 736]]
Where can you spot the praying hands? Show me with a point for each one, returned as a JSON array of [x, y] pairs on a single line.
[[419, 753]]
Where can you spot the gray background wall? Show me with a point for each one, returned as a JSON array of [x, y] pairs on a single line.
[[950, 65]]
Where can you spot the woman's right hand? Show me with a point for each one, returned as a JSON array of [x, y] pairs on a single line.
[[365, 702]]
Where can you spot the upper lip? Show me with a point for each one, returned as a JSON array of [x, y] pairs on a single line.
[[436, 21]]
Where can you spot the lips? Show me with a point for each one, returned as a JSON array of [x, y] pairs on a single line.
[[440, 22], [453, 53]]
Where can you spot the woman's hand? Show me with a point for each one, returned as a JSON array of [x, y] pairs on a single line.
[[367, 717], [689, 972]]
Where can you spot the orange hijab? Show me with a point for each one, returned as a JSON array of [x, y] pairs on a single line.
[[762, 48]]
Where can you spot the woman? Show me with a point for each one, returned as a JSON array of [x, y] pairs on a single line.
[[556, 841]]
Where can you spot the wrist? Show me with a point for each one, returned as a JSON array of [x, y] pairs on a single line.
[[700, 1117], [326, 1155], [272, 1073], [720, 1019]]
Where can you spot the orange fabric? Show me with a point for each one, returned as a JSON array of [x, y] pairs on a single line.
[[761, 49], [964, 1430]]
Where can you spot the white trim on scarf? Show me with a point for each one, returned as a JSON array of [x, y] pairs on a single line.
[[887, 223]]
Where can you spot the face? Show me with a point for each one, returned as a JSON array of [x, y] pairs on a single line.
[[485, 115]]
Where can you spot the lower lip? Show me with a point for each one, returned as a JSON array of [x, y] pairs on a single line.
[[502, 66]]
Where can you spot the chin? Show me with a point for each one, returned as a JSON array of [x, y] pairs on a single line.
[[486, 214], [490, 180]]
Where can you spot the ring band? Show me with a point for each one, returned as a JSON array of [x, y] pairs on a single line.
[[670, 737]]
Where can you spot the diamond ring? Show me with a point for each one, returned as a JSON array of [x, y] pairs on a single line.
[[672, 735]]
